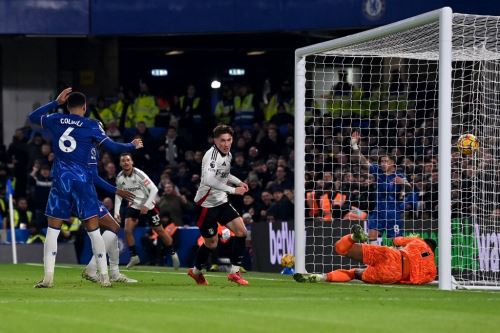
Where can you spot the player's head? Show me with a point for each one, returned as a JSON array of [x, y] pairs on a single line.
[[432, 244], [77, 103], [126, 162], [223, 138], [387, 163]]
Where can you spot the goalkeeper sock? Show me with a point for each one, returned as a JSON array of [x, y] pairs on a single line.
[[201, 257], [340, 275], [343, 245], [50, 252], [111, 243], [99, 250]]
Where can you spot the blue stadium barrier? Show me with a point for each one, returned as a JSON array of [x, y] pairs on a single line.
[[185, 244], [21, 235]]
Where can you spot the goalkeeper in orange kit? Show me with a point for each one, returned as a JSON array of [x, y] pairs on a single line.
[[411, 264]]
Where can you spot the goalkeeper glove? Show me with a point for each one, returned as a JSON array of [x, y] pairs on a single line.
[[354, 144]]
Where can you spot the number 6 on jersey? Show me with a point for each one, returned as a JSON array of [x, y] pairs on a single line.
[[65, 137]]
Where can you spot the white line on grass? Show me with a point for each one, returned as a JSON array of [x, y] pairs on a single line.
[[431, 286], [41, 265], [230, 299], [163, 272]]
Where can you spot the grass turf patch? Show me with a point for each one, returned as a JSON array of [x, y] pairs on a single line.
[[165, 300]]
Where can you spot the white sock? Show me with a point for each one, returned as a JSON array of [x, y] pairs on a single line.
[[111, 242], [92, 267], [99, 250], [234, 269], [50, 252]]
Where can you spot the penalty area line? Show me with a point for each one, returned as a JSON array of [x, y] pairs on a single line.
[[162, 272]]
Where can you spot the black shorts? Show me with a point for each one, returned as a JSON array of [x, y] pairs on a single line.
[[207, 218], [152, 216]]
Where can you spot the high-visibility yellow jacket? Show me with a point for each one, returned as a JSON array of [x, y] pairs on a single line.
[[144, 109], [272, 108], [244, 110], [29, 215]]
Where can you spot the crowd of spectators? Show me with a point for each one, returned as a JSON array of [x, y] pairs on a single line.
[[396, 119], [176, 132]]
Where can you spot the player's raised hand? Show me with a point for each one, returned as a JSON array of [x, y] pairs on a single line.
[[240, 190], [138, 143], [125, 194], [355, 137], [399, 180], [63, 96]]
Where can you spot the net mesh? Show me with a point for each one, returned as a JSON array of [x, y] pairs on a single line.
[[386, 89]]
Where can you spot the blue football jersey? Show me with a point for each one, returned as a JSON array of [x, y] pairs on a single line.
[[387, 190], [73, 138]]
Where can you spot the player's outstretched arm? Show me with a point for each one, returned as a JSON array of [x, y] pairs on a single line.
[[101, 183], [118, 148], [104, 185], [355, 139], [35, 117]]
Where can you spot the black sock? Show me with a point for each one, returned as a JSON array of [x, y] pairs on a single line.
[[238, 250], [202, 256], [133, 251], [169, 250]]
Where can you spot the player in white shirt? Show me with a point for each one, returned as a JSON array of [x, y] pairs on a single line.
[[212, 206], [136, 181]]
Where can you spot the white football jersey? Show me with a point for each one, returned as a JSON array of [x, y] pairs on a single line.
[[215, 175], [139, 184]]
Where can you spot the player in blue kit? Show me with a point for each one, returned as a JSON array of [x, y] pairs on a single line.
[[394, 194], [110, 235], [73, 137]]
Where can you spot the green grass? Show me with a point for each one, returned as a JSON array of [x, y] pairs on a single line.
[[169, 301]]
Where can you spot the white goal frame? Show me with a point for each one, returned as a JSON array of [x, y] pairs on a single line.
[[445, 17]]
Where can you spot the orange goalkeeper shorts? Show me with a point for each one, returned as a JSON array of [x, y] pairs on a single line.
[[384, 264]]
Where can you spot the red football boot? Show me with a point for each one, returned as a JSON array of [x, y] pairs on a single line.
[[199, 278], [236, 278]]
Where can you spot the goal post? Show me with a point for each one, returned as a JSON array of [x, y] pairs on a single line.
[[398, 86]]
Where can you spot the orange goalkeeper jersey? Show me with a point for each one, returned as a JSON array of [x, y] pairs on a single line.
[[422, 265]]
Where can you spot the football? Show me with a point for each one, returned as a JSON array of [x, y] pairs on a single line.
[[467, 144], [288, 261]]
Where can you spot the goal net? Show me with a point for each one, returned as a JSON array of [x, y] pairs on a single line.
[[394, 89]]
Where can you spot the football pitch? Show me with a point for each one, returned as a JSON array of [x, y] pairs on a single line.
[[165, 300]]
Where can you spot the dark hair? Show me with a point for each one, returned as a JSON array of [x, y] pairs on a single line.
[[126, 154], [432, 244], [76, 99], [222, 129], [391, 157]]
